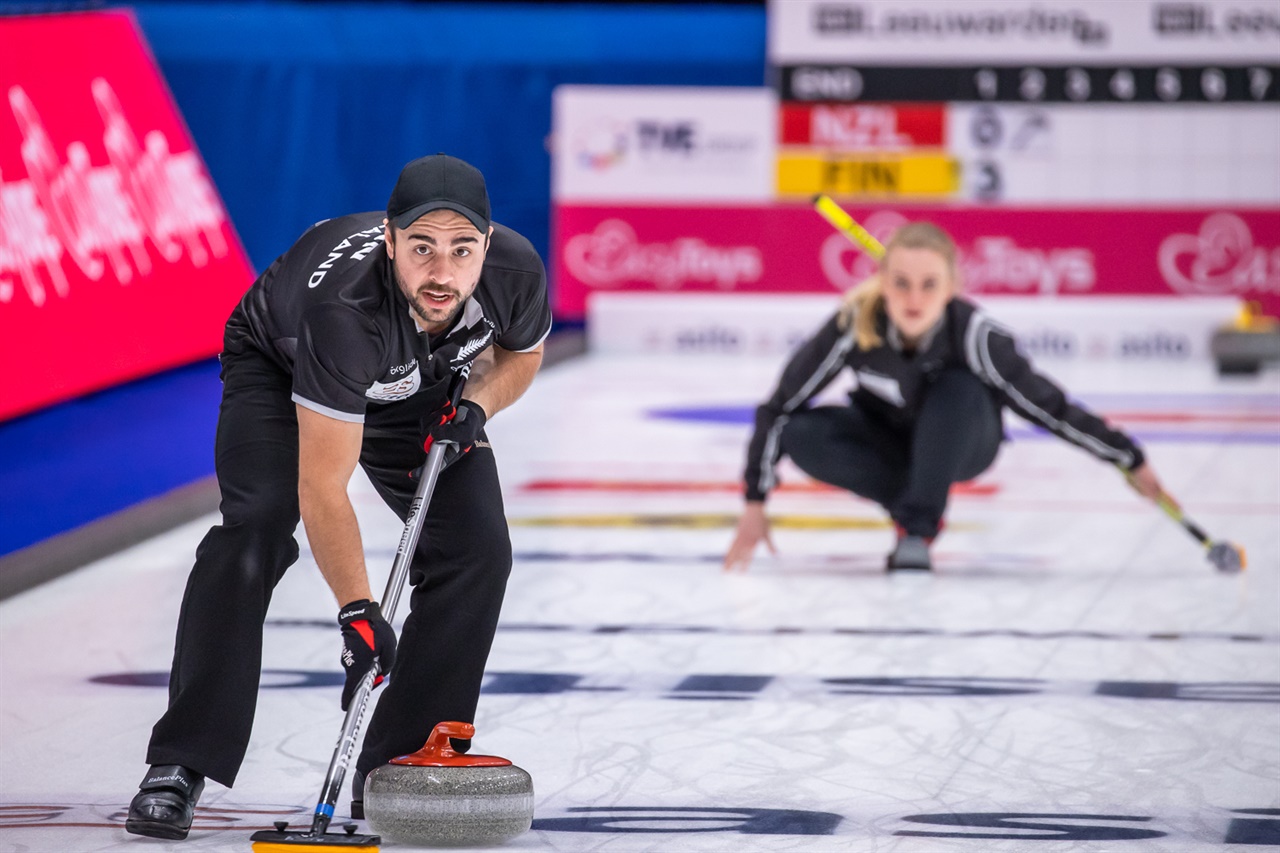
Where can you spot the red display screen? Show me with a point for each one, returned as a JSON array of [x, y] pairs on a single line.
[[117, 258]]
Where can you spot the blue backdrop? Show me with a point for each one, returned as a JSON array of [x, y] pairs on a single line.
[[303, 112]]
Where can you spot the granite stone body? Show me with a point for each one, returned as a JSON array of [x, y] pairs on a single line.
[[449, 806]]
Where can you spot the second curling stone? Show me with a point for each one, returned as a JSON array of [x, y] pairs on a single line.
[[439, 797]]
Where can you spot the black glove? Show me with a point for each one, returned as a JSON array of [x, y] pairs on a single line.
[[365, 636], [461, 425]]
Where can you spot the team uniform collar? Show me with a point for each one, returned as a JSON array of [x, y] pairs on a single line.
[[894, 337]]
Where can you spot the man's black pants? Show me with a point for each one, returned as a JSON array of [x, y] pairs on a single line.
[[956, 436], [459, 577]]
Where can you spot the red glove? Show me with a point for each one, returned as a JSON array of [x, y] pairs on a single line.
[[366, 638], [461, 426]]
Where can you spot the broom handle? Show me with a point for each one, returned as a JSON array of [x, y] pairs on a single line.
[[1172, 510], [343, 750], [864, 239], [848, 226]]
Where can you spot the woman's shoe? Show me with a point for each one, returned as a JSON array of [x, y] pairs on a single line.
[[911, 554]]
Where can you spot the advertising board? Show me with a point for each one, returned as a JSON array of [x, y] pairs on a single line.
[[672, 143], [1033, 252], [1151, 329], [117, 258], [1093, 102], [970, 32]]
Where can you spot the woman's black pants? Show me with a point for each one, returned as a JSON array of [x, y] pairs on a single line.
[[907, 471]]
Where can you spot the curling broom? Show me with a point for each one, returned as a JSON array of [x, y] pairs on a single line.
[[318, 839], [1225, 557]]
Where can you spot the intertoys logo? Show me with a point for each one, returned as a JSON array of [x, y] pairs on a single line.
[[1220, 259]]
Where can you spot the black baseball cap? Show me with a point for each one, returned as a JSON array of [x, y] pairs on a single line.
[[439, 182]]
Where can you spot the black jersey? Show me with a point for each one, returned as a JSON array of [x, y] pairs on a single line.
[[891, 384], [329, 312]]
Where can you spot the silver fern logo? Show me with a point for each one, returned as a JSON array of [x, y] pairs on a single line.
[[470, 348]]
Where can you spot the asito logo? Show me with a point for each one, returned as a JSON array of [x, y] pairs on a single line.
[[1155, 345], [1048, 342], [712, 338]]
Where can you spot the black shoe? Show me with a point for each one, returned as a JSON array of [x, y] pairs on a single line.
[[357, 795], [165, 802], [911, 554]]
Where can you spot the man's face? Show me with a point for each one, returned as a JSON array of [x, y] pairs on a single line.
[[437, 262]]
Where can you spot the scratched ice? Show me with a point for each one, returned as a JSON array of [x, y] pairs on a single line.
[[1073, 677]]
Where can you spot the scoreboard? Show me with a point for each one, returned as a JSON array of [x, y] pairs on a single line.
[[1095, 102], [1071, 84], [1073, 148], [1112, 153], [1033, 154]]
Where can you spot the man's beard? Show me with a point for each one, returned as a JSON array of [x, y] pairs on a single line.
[[418, 309]]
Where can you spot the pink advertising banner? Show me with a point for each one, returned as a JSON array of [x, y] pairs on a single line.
[[117, 258], [781, 248]]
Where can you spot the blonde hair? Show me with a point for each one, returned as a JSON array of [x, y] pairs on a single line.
[[864, 303]]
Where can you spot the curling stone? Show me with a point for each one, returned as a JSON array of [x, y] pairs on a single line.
[[437, 797], [1245, 345]]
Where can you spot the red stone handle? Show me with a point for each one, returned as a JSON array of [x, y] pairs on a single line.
[[439, 752]]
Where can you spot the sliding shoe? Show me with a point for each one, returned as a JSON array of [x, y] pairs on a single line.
[[165, 802]]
